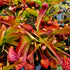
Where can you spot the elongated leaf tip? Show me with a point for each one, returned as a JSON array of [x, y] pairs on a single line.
[[45, 5]]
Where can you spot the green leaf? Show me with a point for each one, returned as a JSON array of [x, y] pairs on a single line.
[[24, 14], [38, 1], [54, 1], [49, 1], [0, 12], [69, 39], [15, 1], [2, 32], [12, 34], [10, 66], [13, 43], [0, 25], [19, 13], [31, 11], [59, 67], [64, 31], [12, 30], [12, 22], [11, 37]]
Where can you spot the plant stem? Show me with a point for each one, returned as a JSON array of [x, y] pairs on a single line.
[[31, 36], [62, 51], [33, 51], [62, 21], [52, 56], [54, 13], [52, 50], [48, 10]]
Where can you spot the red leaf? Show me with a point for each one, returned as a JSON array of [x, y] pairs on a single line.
[[27, 27], [51, 27], [19, 66], [42, 55], [66, 63], [45, 63], [10, 20], [17, 48], [26, 65], [22, 44], [42, 32], [12, 55], [20, 48], [24, 0], [31, 59], [53, 64], [41, 14], [29, 66]]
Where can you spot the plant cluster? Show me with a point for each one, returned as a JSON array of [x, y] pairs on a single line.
[[43, 39]]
